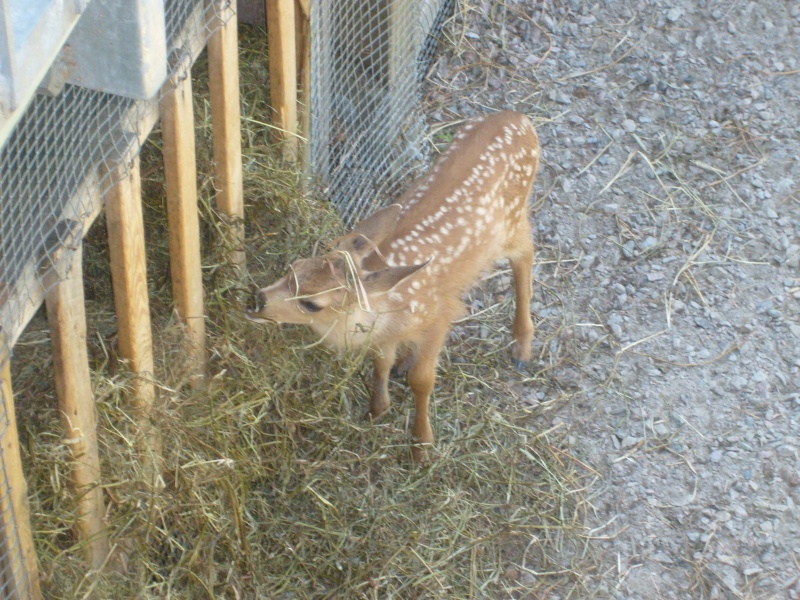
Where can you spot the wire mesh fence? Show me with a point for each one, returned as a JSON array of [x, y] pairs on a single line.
[[55, 168], [368, 60]]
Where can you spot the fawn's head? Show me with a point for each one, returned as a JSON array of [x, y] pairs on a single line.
[[333, 293]]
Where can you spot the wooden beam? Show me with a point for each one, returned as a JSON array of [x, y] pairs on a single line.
[[66, 314], [20, 571], [303, 52], [283, 71], [125, 226], [223, 82], [177, 130]]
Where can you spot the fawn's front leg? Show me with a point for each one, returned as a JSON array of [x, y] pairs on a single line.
[[421, 379], [379, 402]]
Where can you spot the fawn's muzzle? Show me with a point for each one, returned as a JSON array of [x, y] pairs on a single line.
[[254, 311]]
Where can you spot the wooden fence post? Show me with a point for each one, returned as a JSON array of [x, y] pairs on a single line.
[[223, 82], [303, 52], [129, 276], [283, 71], [177, 129], [20, 573], [66, 314]]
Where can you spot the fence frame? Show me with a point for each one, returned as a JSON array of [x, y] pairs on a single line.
[[63, 290]]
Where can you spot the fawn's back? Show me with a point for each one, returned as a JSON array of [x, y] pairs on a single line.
[[470, 210]]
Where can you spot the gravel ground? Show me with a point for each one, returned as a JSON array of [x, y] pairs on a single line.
[[667, 285]]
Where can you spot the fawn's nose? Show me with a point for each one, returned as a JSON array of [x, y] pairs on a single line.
[[259, 302]]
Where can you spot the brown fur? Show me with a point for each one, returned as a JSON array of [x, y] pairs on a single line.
[[395, 282]]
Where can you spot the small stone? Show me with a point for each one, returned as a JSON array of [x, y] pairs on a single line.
[[649, 242], [662, 558], [673, 14], [764, 306], [588, 261], [661, 429], [716, 456], [630, 441], [610, 208], [559, 97], [738, 382], [655, 276], [703, 323], [723, 516], [629, 125], [629, 249]]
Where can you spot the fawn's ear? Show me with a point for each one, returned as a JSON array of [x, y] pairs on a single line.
[[370, 233], [386, 279]]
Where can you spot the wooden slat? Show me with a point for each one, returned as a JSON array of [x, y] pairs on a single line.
[[125, 226], [223, 81], [66, 314], [22, 573], [177, 129], [283, 71], [303, 50]]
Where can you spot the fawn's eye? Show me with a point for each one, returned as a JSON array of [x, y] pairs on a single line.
[[310, 306]]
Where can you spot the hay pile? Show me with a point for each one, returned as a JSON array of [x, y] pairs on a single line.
[[275, 487]]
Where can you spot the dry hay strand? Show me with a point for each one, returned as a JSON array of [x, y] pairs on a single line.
[[274, 486]]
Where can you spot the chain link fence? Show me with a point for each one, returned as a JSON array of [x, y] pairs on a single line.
[[368, 61], [55, 167]]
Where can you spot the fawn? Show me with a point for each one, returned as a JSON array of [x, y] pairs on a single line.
[[395, 281]]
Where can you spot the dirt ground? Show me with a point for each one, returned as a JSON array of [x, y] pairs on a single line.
[[667, 290]]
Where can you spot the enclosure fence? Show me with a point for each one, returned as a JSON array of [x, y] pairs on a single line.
[[71, 144], [64, 153], [368, 61]]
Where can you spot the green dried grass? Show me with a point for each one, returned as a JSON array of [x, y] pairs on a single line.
[[275, 486]]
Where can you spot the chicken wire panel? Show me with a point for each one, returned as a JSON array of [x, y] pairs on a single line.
[[55, 168], [368, 60], [189, 24], [51, 167], [57, 144]]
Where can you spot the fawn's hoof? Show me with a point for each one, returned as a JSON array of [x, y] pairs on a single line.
[[376, 415], [419, 453], [520, 365]]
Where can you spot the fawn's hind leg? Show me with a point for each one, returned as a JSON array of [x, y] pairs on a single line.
[[521, 264]]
